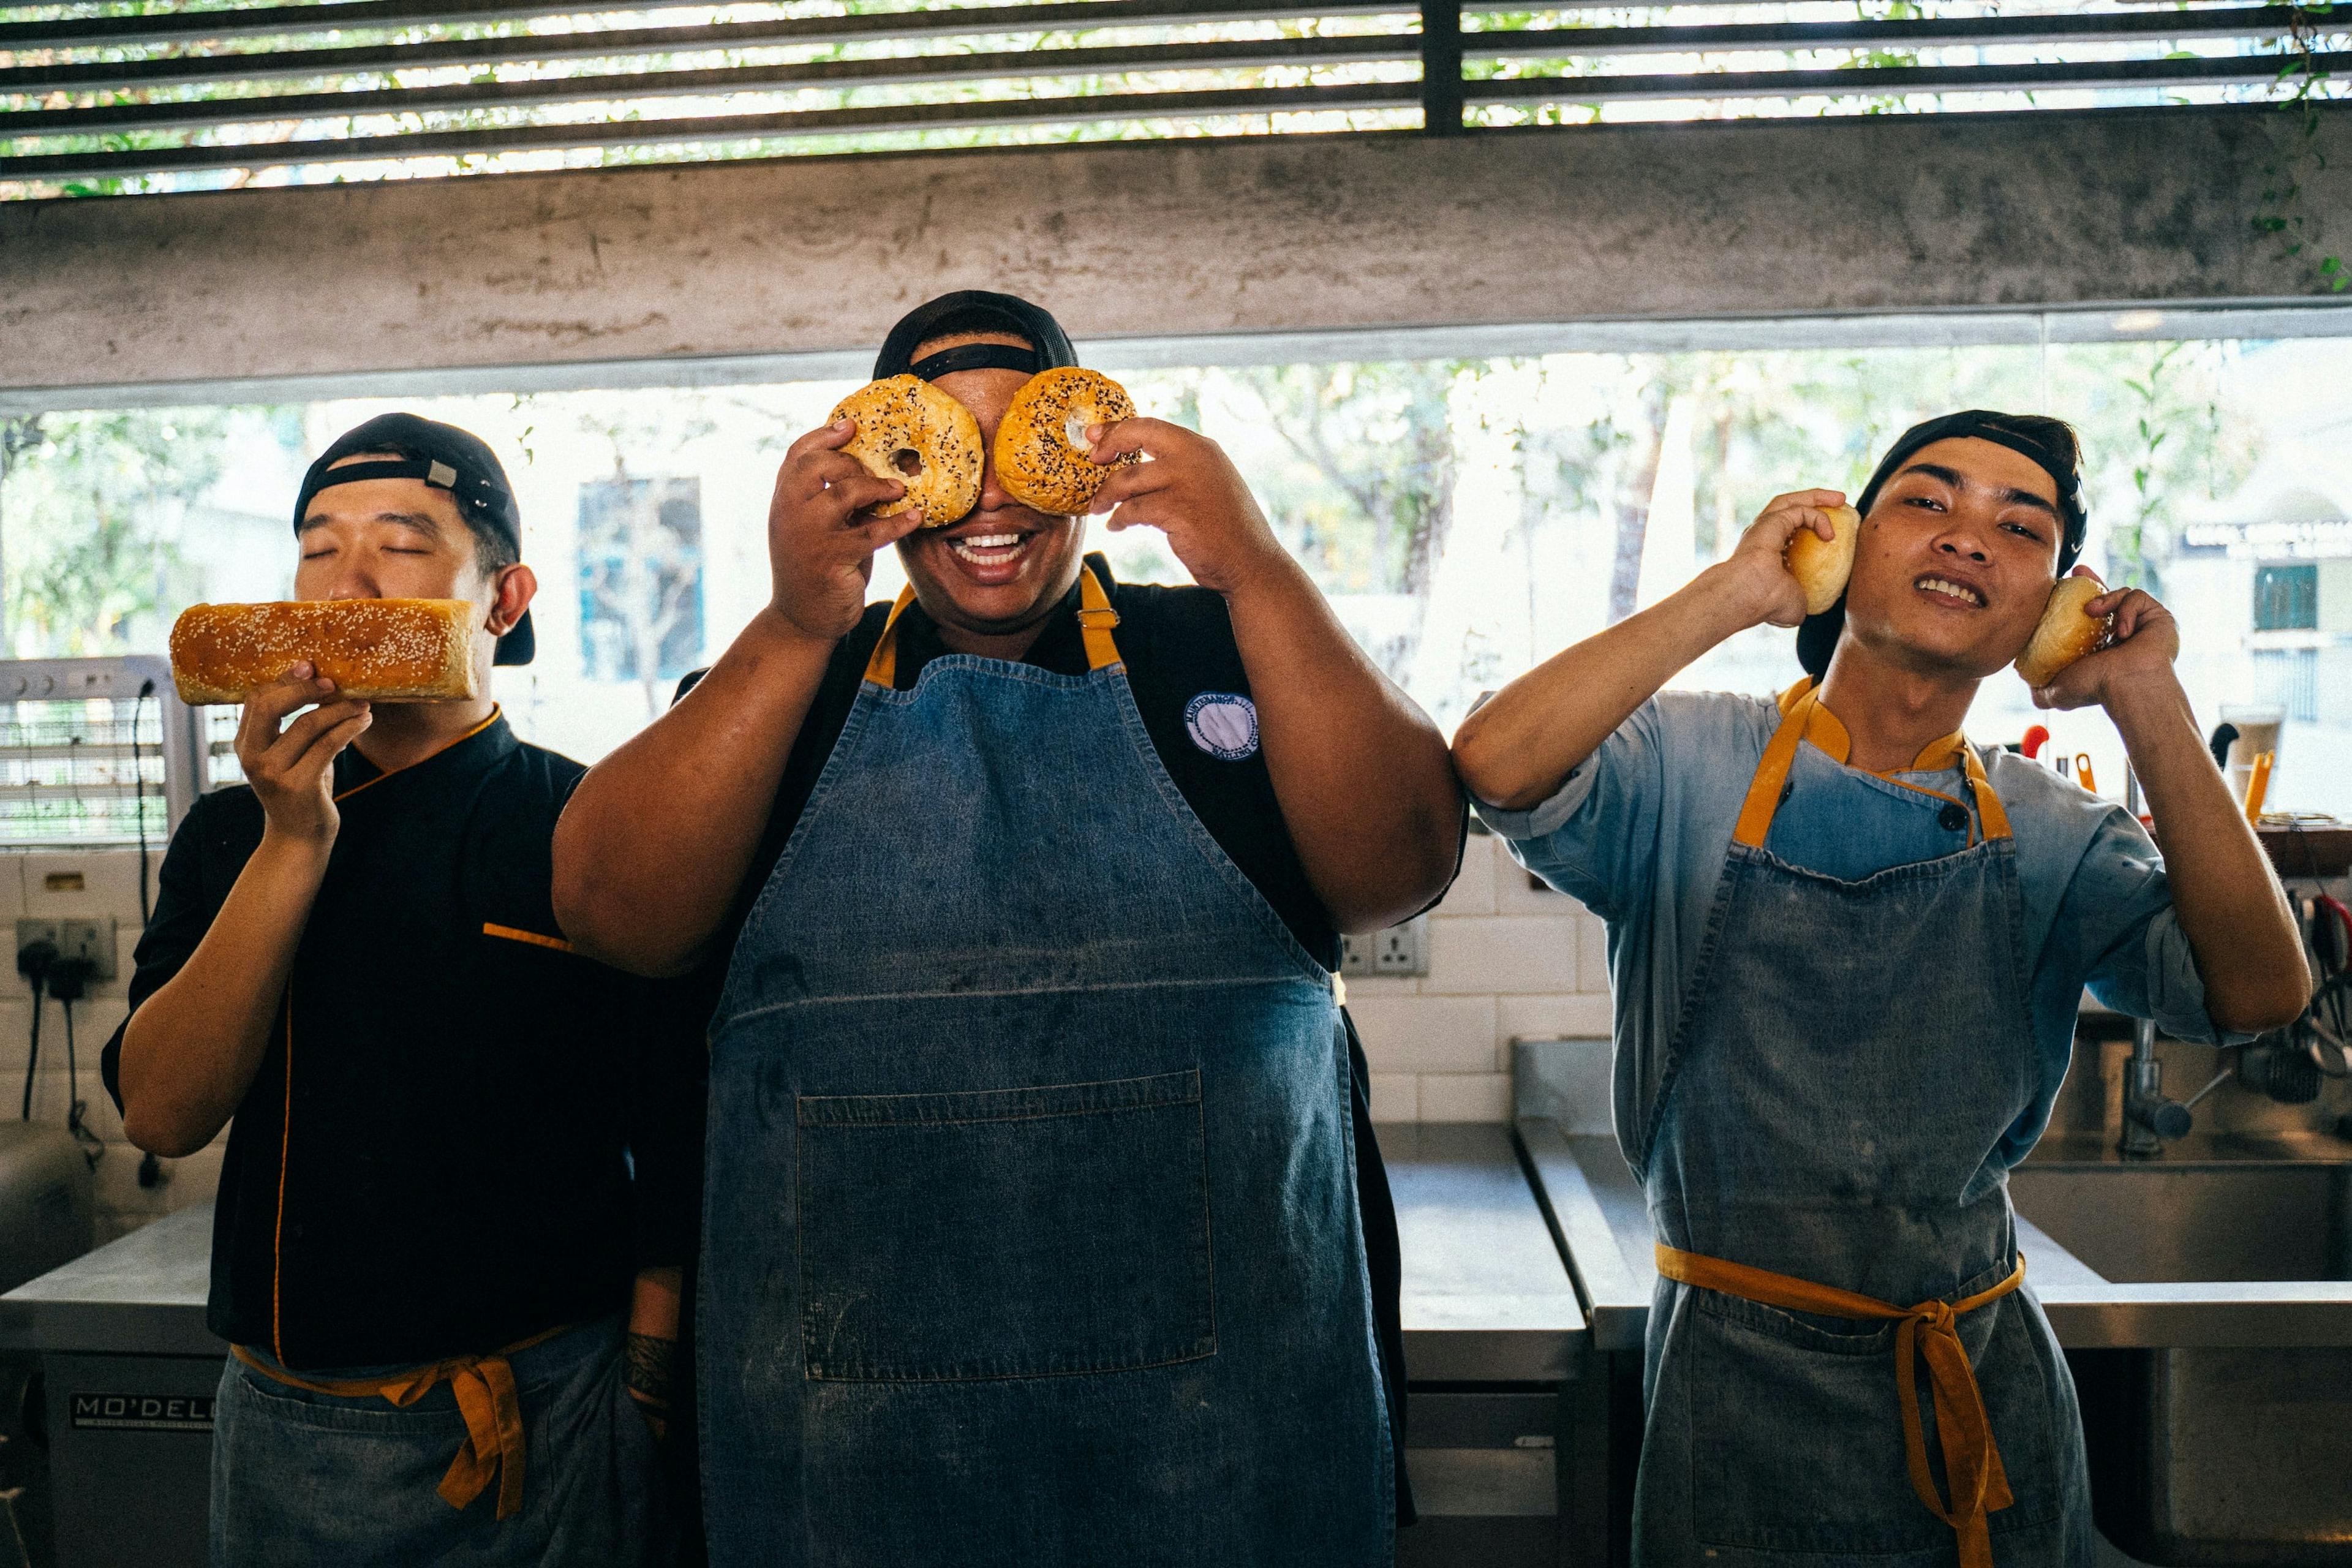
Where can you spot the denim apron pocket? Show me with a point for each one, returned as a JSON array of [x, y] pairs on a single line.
[[1013, 1233]]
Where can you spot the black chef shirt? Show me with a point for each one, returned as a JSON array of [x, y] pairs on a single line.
[[488, 1135], [1178, 645]]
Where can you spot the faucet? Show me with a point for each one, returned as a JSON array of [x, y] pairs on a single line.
[[2150, 1116]]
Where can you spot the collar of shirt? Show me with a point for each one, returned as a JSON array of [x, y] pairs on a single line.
[[468, 756], [1828, 735], [1060, 647]]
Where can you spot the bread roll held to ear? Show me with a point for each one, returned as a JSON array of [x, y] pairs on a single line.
[[1820, 566], [907, 413], [382, 650], [2065, 632]]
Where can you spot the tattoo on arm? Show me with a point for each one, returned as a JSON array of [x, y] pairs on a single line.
[[650, 1361]]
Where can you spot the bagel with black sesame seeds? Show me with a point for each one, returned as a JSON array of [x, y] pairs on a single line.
[[910, 431], [1042, 453]]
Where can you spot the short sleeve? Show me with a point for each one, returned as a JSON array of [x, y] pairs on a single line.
[[2118, 919], [184, 911], [1593, 838]]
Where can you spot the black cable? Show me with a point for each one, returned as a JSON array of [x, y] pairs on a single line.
[[138, 789], [76, 1107], [32, 1056]]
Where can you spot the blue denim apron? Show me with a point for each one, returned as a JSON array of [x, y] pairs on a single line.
[[302, 1478], [1848, 1057], [1030, 1229]]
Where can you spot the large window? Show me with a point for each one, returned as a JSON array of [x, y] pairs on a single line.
[[1468, 512]]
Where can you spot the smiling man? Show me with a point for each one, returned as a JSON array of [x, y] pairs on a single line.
[[461, 1179], [1847, 947], [1033, 1233]]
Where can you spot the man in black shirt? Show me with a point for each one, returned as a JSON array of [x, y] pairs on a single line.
[[1020, 880], [464, 1163]]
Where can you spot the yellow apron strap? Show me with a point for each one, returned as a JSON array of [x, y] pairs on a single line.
[[487, 1401], [1764, 793], [1763, 802], [882, 670], [1928, 1332], [1096, 619], [1988, 806]]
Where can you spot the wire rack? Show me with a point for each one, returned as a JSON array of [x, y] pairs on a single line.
[[87, 756]]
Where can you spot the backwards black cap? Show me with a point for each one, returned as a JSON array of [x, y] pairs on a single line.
[[974, 310], [1817, 638], [446, 459]]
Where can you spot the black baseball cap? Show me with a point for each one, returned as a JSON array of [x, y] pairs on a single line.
[[974, 310], [446, 459]]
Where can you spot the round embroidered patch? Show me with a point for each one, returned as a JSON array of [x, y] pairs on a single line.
[[1224, 724]]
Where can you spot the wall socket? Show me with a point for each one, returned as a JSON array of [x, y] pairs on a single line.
[[1399, 951], [92, 940]]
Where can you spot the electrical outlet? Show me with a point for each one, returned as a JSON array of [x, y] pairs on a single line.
[[1399, 951], [90, 940], [1403, 950], [84, 939]]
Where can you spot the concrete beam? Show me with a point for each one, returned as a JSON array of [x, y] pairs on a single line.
[[719, 269]]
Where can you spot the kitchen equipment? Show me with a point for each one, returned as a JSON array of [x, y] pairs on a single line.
[[2257, 731], [2036, 737], [2219, 744], [2258, 785], [128, 1371], [95, 751], [2083, 772]]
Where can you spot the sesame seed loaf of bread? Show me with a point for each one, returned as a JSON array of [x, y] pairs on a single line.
[[415, 651]]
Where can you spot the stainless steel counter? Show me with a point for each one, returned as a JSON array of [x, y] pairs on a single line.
[[1606, 1226], [1485, 1296], [144, 1295]]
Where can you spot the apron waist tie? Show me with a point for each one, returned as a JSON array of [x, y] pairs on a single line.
[[485, 1387], [1929, 1332]]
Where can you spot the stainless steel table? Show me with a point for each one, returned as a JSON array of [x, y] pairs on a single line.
[[128, 1371]]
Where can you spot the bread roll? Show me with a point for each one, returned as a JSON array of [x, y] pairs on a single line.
[[1040, 442], [2064, 633], [386, 649], [1820, 566], [908, 414]]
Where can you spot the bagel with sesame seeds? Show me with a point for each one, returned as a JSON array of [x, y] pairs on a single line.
[[1042, 452], [910, 431]]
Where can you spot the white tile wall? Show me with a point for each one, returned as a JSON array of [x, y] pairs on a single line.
[[1507, 960], [109, 887]]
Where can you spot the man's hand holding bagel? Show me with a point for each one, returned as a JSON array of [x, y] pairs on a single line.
[[1189, 489], [822, 537]]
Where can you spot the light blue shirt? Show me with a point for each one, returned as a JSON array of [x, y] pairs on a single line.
[[1639, 832]]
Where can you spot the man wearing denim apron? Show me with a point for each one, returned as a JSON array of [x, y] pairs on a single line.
[[460, 1181], [1032, 1232], [1847, 946]]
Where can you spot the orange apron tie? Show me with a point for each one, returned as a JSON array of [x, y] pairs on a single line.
[[485, 1388], [1096, 619], [1971, 1459]]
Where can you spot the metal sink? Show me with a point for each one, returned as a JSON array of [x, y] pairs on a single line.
[[2199, 1294], [2204, 1299]]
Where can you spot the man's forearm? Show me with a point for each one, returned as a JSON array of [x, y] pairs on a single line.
[[1360, 773], [1517, 749], [657, 837], [2224, 892], [192, 1048]]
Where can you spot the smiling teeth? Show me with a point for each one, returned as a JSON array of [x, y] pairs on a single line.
[[1957, 590], [987, 549]]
